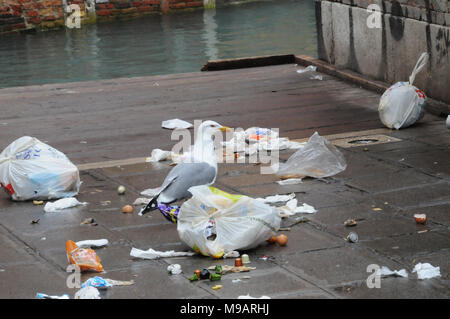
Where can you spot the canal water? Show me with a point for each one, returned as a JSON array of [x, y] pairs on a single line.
[[158, 44]]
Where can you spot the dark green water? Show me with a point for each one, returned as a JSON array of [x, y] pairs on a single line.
[[158, 44]]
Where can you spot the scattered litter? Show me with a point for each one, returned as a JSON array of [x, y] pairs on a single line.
[[212, 212], [352, 237], [154, 254], [150, 192], [217, 287], [84, 258], [44, 296], [61, 204], [141, 201], [92, 243], [250, 297], [245, 259], [290, 181], [376, 209], [282, 240], [121, 190], [169, 212], [316, 77], [422, 231], [296, 145], [158, 155], [277, 198], [38, 202], [83, 142], [87, 292], [113, 282], [35, 221], [238, 262], [386, 272], [420, 218], [127, 209], [426, 271], [43, 238], [175, 124], [96, 282], [402, 104], [234, 281], [174, 269], [266, 258], [88, 221], [31, 169], [291, 208], [231, 254], [319, 158], [307, 69], [233, 269], [447, 122], [350, 223], [105, 202]]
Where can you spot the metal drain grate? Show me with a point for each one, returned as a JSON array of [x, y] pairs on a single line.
[[367, 140]]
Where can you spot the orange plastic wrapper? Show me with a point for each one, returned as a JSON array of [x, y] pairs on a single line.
[[84, 258]]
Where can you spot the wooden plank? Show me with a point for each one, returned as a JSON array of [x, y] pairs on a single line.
[[249, 62]]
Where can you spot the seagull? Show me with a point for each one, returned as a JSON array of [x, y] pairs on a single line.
[[199, 169]]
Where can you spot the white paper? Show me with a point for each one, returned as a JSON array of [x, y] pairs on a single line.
[[427, 271], [141, 201], [174, 269], [176, 124], [88, 292], [150, 192], [154, 254], [158, 155], [92, 243], [61, 204], [307, 69], [290, 181], [277, 198], [386, 272], [291, 208], [316, 77], [231, 254]]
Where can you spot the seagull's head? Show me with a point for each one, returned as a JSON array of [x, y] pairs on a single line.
[[209, 128]]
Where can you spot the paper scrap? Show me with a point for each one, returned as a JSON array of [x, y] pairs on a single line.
[[426, 271], [386, 272], [154, 254], [92, 243], [61, 204], [175, 124]]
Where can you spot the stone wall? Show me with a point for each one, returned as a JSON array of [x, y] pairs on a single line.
[[390, 52], [26, 15]]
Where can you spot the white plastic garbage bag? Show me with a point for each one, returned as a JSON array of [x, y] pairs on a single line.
[[31, 169], [403, 104], [214, 222], [318, 158]]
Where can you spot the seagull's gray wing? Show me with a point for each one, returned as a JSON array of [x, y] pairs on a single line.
[[182, 177]]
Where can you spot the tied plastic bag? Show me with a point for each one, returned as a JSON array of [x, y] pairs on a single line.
[[31, 169], [403, 104], [84, 258], [319, 158], [214, 222]]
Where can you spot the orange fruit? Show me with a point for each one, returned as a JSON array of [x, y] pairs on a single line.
[[282, 240]]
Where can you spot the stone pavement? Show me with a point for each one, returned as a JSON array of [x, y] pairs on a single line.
[[401, 178]]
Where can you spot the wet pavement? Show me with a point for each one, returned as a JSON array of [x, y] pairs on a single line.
[[382, 187]]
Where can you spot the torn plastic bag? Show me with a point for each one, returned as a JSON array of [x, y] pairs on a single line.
[[403, 104], [318, 158], [31, 169], [84, 258], [214, 222]]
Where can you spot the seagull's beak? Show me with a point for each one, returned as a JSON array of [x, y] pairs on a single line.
[[225, 129]]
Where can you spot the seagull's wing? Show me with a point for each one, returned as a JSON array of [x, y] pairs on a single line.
[[182, 177]]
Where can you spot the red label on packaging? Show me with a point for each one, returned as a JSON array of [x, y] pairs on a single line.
[[9, 188]]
